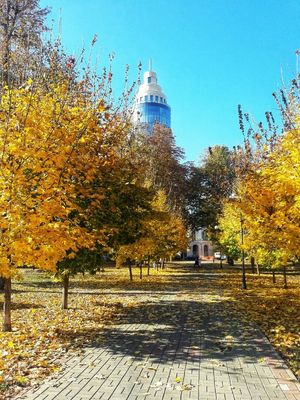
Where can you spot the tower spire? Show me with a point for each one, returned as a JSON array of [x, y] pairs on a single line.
[[151, 103]]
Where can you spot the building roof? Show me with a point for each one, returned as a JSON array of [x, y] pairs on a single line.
[[150, 87]]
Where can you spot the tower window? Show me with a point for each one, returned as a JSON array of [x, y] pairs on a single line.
[[156, 99], [141, 99], [151, 97], [146, 98], [149, 79], [161, 99]]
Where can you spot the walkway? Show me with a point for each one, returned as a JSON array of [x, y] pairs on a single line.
[[175, 345]]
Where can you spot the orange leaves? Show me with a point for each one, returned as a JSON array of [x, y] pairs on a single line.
[[274, 309], [268, 197], [162, 233], [43, 332], [49, 154], [5, 269]]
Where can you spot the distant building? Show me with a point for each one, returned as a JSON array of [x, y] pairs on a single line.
[[151, 107], [151, 103], [200, 246]]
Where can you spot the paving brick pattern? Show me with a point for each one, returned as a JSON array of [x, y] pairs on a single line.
[[175, 346]]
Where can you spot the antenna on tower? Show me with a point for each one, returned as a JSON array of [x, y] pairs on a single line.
[[150, 64]]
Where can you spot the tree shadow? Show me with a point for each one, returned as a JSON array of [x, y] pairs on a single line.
[[47, 284], [165, 332], [180, 278], [24, 306]]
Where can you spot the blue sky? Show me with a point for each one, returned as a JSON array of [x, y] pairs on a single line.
[[210, 55]]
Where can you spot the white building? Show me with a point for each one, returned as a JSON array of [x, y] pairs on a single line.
[[200, 246]]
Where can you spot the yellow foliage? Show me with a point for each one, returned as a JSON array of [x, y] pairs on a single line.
[[268, 197], [163, 234], [50, 150]]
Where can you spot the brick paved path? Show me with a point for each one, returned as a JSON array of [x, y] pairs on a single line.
[[176, 345]]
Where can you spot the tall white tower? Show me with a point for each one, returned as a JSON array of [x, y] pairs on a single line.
[[151, 103]]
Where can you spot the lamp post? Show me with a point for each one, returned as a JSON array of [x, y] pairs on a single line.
[[244, 285], [217, 230]]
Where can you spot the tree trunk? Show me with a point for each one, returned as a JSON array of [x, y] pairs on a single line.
[[6, 47], [285, 278], [252, 260], [273, 277], [163, 264], [257, 269], [148, 266], [221, 263], [130, 271], [230, 261], [141, 270], [244, 284], [2, 283], [7, 305], [65, 292]]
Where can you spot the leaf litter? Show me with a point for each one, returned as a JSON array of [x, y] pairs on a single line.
[[44, 335]]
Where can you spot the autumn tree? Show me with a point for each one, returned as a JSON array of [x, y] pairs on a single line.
[[21, 27], [52, 145], [164, 173], [114, 204], [84, 260], [208, 186], [228, 232], [162, 234], [267, 190], [269, 200], [22, 23], [166, 229], [165, 168]]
